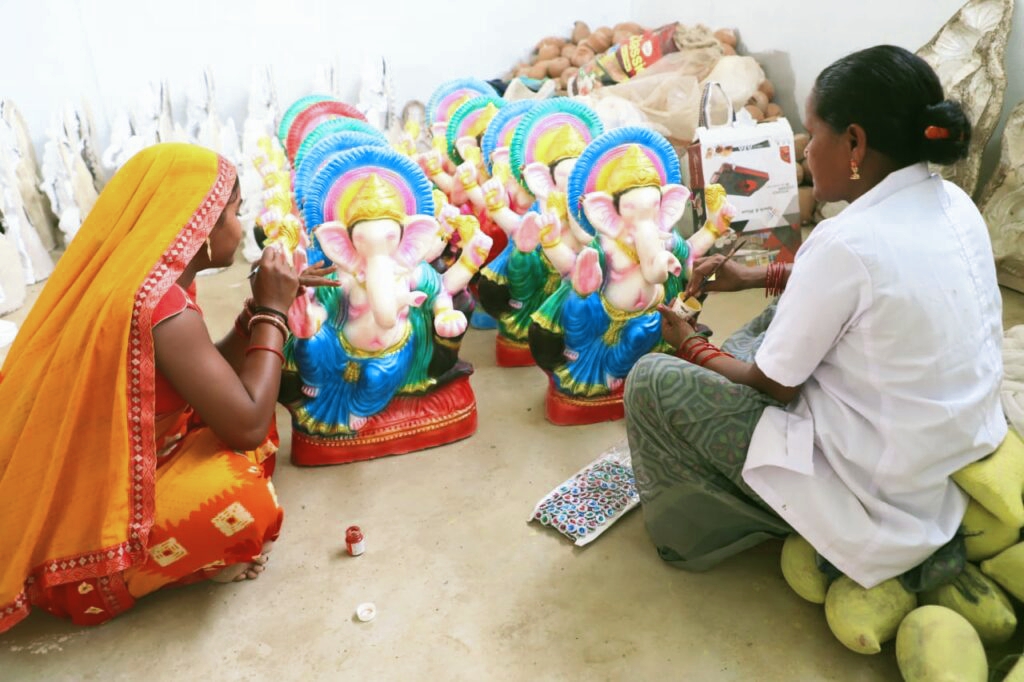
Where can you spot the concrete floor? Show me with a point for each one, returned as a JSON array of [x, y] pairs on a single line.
[[465, 589]]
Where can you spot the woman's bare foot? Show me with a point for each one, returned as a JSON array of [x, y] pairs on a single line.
[[236, 573]]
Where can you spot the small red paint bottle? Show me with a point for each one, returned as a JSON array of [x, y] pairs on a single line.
[[354, 541]]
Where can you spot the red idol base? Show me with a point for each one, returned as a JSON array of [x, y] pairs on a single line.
[[566, 410], [407, 424]]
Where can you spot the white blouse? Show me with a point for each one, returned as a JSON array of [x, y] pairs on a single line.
[[891, 323]]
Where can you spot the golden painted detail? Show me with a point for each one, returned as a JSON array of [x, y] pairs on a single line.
[[360, 353], [596, 401], [632, 171], [375, 199], [626, 315], [440, 201], [559, 202], [417, 389], [628, 250], [483, 119], [580, 389], [565, 142], [447, 343], [352, 372]]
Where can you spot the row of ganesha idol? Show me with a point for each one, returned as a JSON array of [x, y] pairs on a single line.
[[561, 232]]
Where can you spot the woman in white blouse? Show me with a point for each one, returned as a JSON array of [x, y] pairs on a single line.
[[842, 410]]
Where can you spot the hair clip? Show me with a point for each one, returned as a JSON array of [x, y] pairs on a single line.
[[936, 133]]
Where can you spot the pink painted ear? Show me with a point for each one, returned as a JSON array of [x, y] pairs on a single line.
[[538, 179], [673, 203], [418, 238], [337, 245], [465, 143], [600, 210], [500, 155]]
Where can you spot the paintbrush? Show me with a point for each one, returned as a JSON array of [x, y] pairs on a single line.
[[711, 275]]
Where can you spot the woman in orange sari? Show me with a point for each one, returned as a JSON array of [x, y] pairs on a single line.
[[134, 452]]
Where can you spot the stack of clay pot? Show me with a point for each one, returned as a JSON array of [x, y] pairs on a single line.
[[560, 58]]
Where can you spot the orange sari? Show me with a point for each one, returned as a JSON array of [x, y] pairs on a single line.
[[92, 518]]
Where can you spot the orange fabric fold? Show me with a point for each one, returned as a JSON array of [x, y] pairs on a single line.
[[77, 443]]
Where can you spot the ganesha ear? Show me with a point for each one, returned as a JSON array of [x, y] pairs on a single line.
[[418, 238], [336, 244], [673, 203], [464, 144], [500, 155], [600, 210], [538, 179]]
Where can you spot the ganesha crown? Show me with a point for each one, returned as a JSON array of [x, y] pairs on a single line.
[[632, 170], [566, 143], [375, 199]]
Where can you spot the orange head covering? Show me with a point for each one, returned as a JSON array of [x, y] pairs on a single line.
[[77, 446]]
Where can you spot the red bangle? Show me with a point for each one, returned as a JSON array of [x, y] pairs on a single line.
[[775, 280], [266, 348]]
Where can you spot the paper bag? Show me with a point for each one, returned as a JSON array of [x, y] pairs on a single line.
[[756, 164]]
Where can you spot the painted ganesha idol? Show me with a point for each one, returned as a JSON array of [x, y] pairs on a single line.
[[545, 148], [382, 374], [625, 192]]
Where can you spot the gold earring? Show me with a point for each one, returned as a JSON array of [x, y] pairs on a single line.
[[209, 249], [854, 170]]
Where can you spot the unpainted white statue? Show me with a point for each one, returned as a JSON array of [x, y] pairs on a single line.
[[12, 279], [260, 123], [67, 180], [376, 93], [22, 154]]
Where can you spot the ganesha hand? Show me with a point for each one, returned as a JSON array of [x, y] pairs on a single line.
[[475, 250], [430, 162], [450, 323], [527, 237], [550, 230], [586, 272], [495, 196], [467, 175], [672, 265]]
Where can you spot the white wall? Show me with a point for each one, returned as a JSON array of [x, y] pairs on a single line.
[[795, 41], [106, 51]]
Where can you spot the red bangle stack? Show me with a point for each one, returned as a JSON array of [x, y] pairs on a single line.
[[700, 351], [775, 280]]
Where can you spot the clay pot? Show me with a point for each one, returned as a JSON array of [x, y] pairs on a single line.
[[760, 100], [557, 66], [580, 31], [548, 51], [806, 195], [726, 36], [583, 54], [800, 141], [538, 70], [755, 112]]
